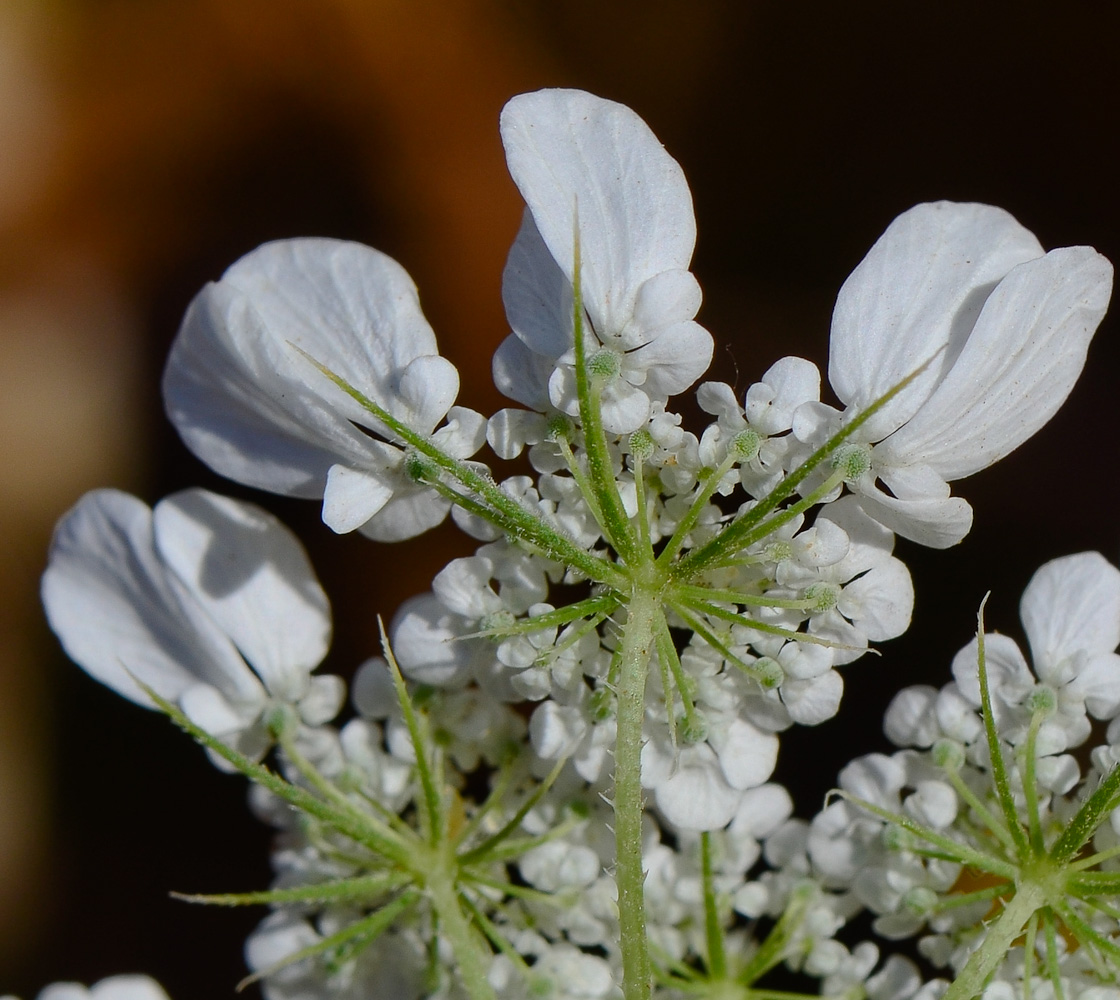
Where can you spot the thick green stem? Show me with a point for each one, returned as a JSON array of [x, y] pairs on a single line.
[[637, 646], [997, 942], [456, 929]]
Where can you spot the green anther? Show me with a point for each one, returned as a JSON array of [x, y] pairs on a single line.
[[745, 445], [768, 672], [1043, 700], [560, 428], [605, 365], [948, 755], [693, 729], [853, 459], [602, 704], [823, 595], [641, 444]]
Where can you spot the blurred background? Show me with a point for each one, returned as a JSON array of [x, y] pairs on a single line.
[[145, 145]]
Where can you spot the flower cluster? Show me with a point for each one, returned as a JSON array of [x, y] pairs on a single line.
[[982, 833], [644, 616]]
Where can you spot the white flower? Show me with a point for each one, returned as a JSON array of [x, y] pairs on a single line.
[[112, 988], [1004, 327], [185, 599], [1071, 614], [254, 408], [589, 165]]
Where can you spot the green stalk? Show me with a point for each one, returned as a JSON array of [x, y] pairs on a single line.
[[637, 647], [456, 929], [997, 943]]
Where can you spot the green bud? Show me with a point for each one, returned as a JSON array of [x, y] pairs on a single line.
[[745, 445], [605, 365], [642, 444], [1043, 700], [948, 755], [280, 720], [919, 900], [560, 428], [823, 595], [694, 730], [896, 838], [768, 672], [778, 551], [853, 459], [498, 621], [419, 468]]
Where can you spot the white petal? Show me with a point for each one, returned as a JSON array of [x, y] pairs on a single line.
[[910, 720], [255, 409], [788, 383], [1071, 604], [352, 496], [696, 796], [813, 701], [881, 601], [120, 615], [127, 988], [938, 523], [746, 755], [254, 579], [522, 375], [1016, 369], [423, 634], [665, 300], [918, 291], [672, 360], [569, 153], [411, 511], [537, 294]]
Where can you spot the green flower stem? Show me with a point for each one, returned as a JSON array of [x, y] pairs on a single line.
[[673, 546], [637, 646], [472, 959], [500, 509], [998, 940], [995, 752], [738, 597], [615, 523], [1030, 788], [717, 960], [731, 540], [993, 822], [1088, 818]]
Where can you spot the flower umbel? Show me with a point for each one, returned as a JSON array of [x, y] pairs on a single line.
[[556, 782]]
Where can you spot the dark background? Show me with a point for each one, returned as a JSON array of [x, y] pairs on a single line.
[[175, 136]]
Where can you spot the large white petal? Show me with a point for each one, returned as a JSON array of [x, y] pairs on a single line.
[[938, 522], [537, 294], [918, 291], [252, 407], [120, 615], [570, 152], [1017, 368], [252, 576], [1071, 604]]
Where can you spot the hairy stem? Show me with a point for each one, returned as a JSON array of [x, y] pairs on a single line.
[[637, 647]]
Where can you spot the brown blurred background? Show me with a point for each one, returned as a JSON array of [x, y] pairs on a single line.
[[145, 144]]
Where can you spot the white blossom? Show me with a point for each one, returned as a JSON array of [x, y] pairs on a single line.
[[587, 165], [245, 397], [208, 601], [1002, 328]]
